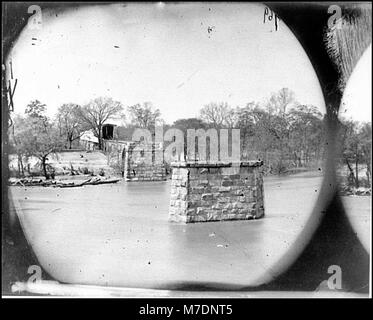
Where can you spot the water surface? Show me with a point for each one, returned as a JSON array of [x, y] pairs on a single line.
[[119, 235]]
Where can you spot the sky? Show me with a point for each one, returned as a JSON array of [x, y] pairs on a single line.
[[178, 56], [357, 97]]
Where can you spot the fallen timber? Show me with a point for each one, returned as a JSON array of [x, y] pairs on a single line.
[[59, 184], [92, 181]]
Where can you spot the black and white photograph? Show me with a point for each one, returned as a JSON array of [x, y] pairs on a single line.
[[186, 150]]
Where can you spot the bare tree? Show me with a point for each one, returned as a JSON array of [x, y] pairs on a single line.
[[280, 101], [36, 136], [144, 116], [97, 112], [356, 139], [35, 109], [69, 122], [218, 114], [16, 135]]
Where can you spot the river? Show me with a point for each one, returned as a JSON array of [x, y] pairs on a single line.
[[119, 235]]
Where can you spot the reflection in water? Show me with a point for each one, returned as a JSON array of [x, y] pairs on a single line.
[[119, 235]]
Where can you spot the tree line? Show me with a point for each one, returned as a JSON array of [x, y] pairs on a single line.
[[282, 132], [355, 140]]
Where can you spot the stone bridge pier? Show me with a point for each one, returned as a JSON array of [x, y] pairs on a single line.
[[136, 160], [203, 192]]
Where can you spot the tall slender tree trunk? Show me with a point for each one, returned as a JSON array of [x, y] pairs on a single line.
[[281, 158], [100, 138], [44, 166], [368, 175], [352, 175], [357, 172], [20, 166]]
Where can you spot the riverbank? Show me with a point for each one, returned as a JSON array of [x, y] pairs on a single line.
[[62, 183]]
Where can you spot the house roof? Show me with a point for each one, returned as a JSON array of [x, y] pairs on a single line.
[[89, 136]]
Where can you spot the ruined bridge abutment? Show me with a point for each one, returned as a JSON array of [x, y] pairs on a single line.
[[136, 161]]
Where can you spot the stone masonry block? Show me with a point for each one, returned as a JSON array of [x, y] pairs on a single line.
[[202, 192]]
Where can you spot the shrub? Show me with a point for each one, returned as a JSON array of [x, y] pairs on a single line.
[[101, 172], [84, 170]]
